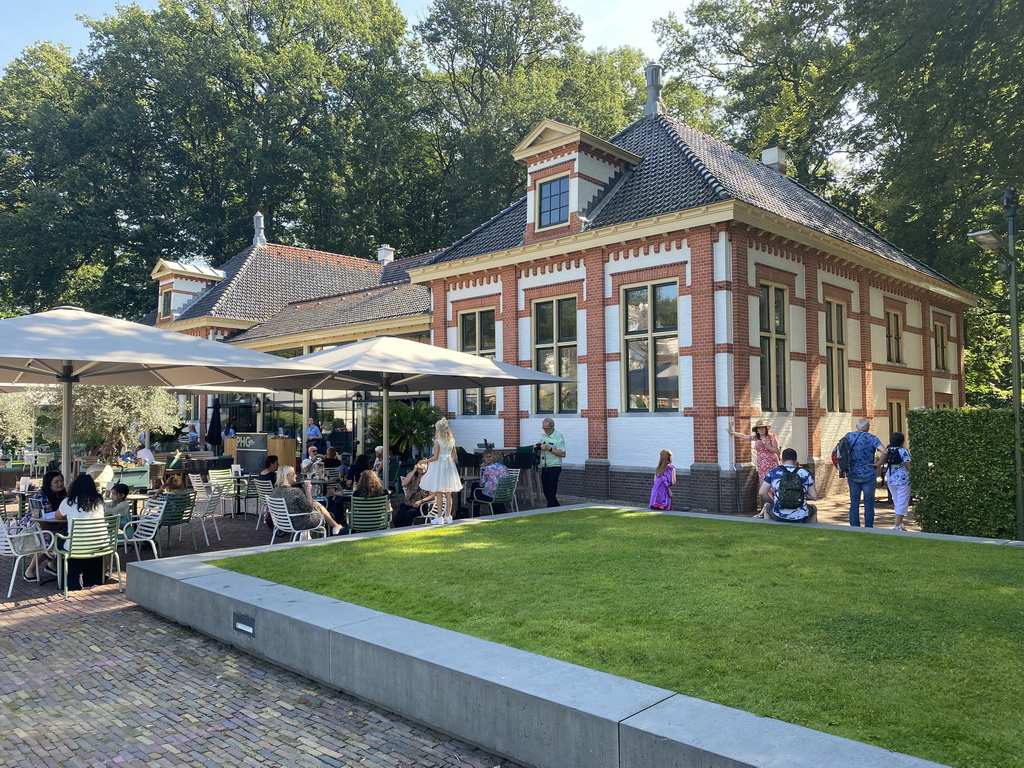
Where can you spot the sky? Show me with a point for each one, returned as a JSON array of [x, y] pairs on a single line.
[[606, 23]]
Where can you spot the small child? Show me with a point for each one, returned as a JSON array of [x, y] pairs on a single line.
[[897, 478], [664, 479]]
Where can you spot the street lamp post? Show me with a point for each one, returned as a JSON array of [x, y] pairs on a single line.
[[990, 241]]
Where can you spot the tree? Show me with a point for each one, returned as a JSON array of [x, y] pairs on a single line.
[[785, 73], [111, 416], [411, 427], [496, 68], [17, 421]]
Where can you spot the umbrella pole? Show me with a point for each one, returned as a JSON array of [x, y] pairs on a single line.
[[66, 380], [385, 418]]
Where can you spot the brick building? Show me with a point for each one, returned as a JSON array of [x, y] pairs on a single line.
[[685, 287]]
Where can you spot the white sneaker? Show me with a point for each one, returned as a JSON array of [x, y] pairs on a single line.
[[437, 521], [448, 520]]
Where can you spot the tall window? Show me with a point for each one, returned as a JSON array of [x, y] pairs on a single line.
[[835, 356], [476, 337], [554, 351], [554, 202], [167, 297], [651, 341], [941, 338], [774, 359], [893, 337], [897, 416]]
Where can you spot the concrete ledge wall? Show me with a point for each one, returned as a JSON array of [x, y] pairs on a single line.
[[532, 709]]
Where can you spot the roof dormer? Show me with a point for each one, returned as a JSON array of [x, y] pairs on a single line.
[[179, 283], [567, 170]]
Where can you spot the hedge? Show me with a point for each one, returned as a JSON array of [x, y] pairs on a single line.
[[961, 471]]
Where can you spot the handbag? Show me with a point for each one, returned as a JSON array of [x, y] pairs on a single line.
[[27, 539]]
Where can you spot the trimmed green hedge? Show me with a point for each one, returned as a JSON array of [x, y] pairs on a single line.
[[962, 471]]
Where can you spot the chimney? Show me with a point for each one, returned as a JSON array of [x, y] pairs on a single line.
[[259, 238], [654, 105], [776, 159], [385, 254]]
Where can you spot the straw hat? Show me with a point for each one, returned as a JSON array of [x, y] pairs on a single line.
[[762, 423]]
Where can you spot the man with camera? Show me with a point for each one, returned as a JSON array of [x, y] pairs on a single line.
[[552, 451]]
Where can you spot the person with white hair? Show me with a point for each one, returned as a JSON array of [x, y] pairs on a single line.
[[866, 455]]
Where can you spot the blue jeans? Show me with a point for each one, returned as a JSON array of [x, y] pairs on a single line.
[[867, 487]]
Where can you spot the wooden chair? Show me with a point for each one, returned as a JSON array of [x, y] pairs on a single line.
[[369, 514], [283, 520], [89, 537]]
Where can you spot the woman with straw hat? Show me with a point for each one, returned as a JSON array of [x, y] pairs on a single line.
[[766, 448]]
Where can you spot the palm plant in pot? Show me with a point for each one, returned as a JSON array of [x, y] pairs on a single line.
[[411, 427]]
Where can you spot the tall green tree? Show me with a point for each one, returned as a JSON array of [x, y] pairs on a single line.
[[495, 69], [785, 72]]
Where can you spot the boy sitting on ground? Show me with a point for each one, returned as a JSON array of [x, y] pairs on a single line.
[[786, 490]]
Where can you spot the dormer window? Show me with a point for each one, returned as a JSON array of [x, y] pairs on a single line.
[[165, 310], [554, 202]]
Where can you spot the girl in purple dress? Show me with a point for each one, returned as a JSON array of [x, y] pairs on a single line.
[[664, 479]]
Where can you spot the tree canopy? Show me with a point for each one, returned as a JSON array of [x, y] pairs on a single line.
[[347, 127]]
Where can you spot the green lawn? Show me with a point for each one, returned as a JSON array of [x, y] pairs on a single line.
[[910, 644]]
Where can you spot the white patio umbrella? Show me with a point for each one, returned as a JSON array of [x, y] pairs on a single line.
[[69, 346], [391, 364]]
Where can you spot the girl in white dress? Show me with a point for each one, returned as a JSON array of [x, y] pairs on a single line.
[[442, 475]]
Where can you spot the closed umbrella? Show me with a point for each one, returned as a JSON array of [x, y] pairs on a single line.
[[213, 431], [69, 346]]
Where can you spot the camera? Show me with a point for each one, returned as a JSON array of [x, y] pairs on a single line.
[[537, 447]]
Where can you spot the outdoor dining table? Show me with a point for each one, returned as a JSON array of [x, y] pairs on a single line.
[[135, 498]]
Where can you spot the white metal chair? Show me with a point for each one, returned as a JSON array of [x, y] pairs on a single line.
[[20, 542], [207, 507], [283, 520], [264, 488], [145, 528]]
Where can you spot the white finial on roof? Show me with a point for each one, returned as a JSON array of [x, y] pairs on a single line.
[[259, 238], [654, 105], [385, 254]]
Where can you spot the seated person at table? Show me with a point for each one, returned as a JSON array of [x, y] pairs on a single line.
[[270, 467], [83, 500], [299, 500], [369, 486], [49, 497], [346, 464], [312, 457], [173, 484], [491, 472], [356, 470], [331, 461], [378, 459], [119, 504], [415, 497], [144, 456]]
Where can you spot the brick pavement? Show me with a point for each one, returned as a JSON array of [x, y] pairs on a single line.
[[98, 681]]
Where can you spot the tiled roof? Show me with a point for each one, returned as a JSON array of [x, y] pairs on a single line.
[[752, 182], [263, 278], [391, 300], [398, 269], [685, 168], [148, 319], [503, 231]]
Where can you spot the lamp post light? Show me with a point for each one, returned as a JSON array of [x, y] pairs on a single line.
[[990, 241]]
